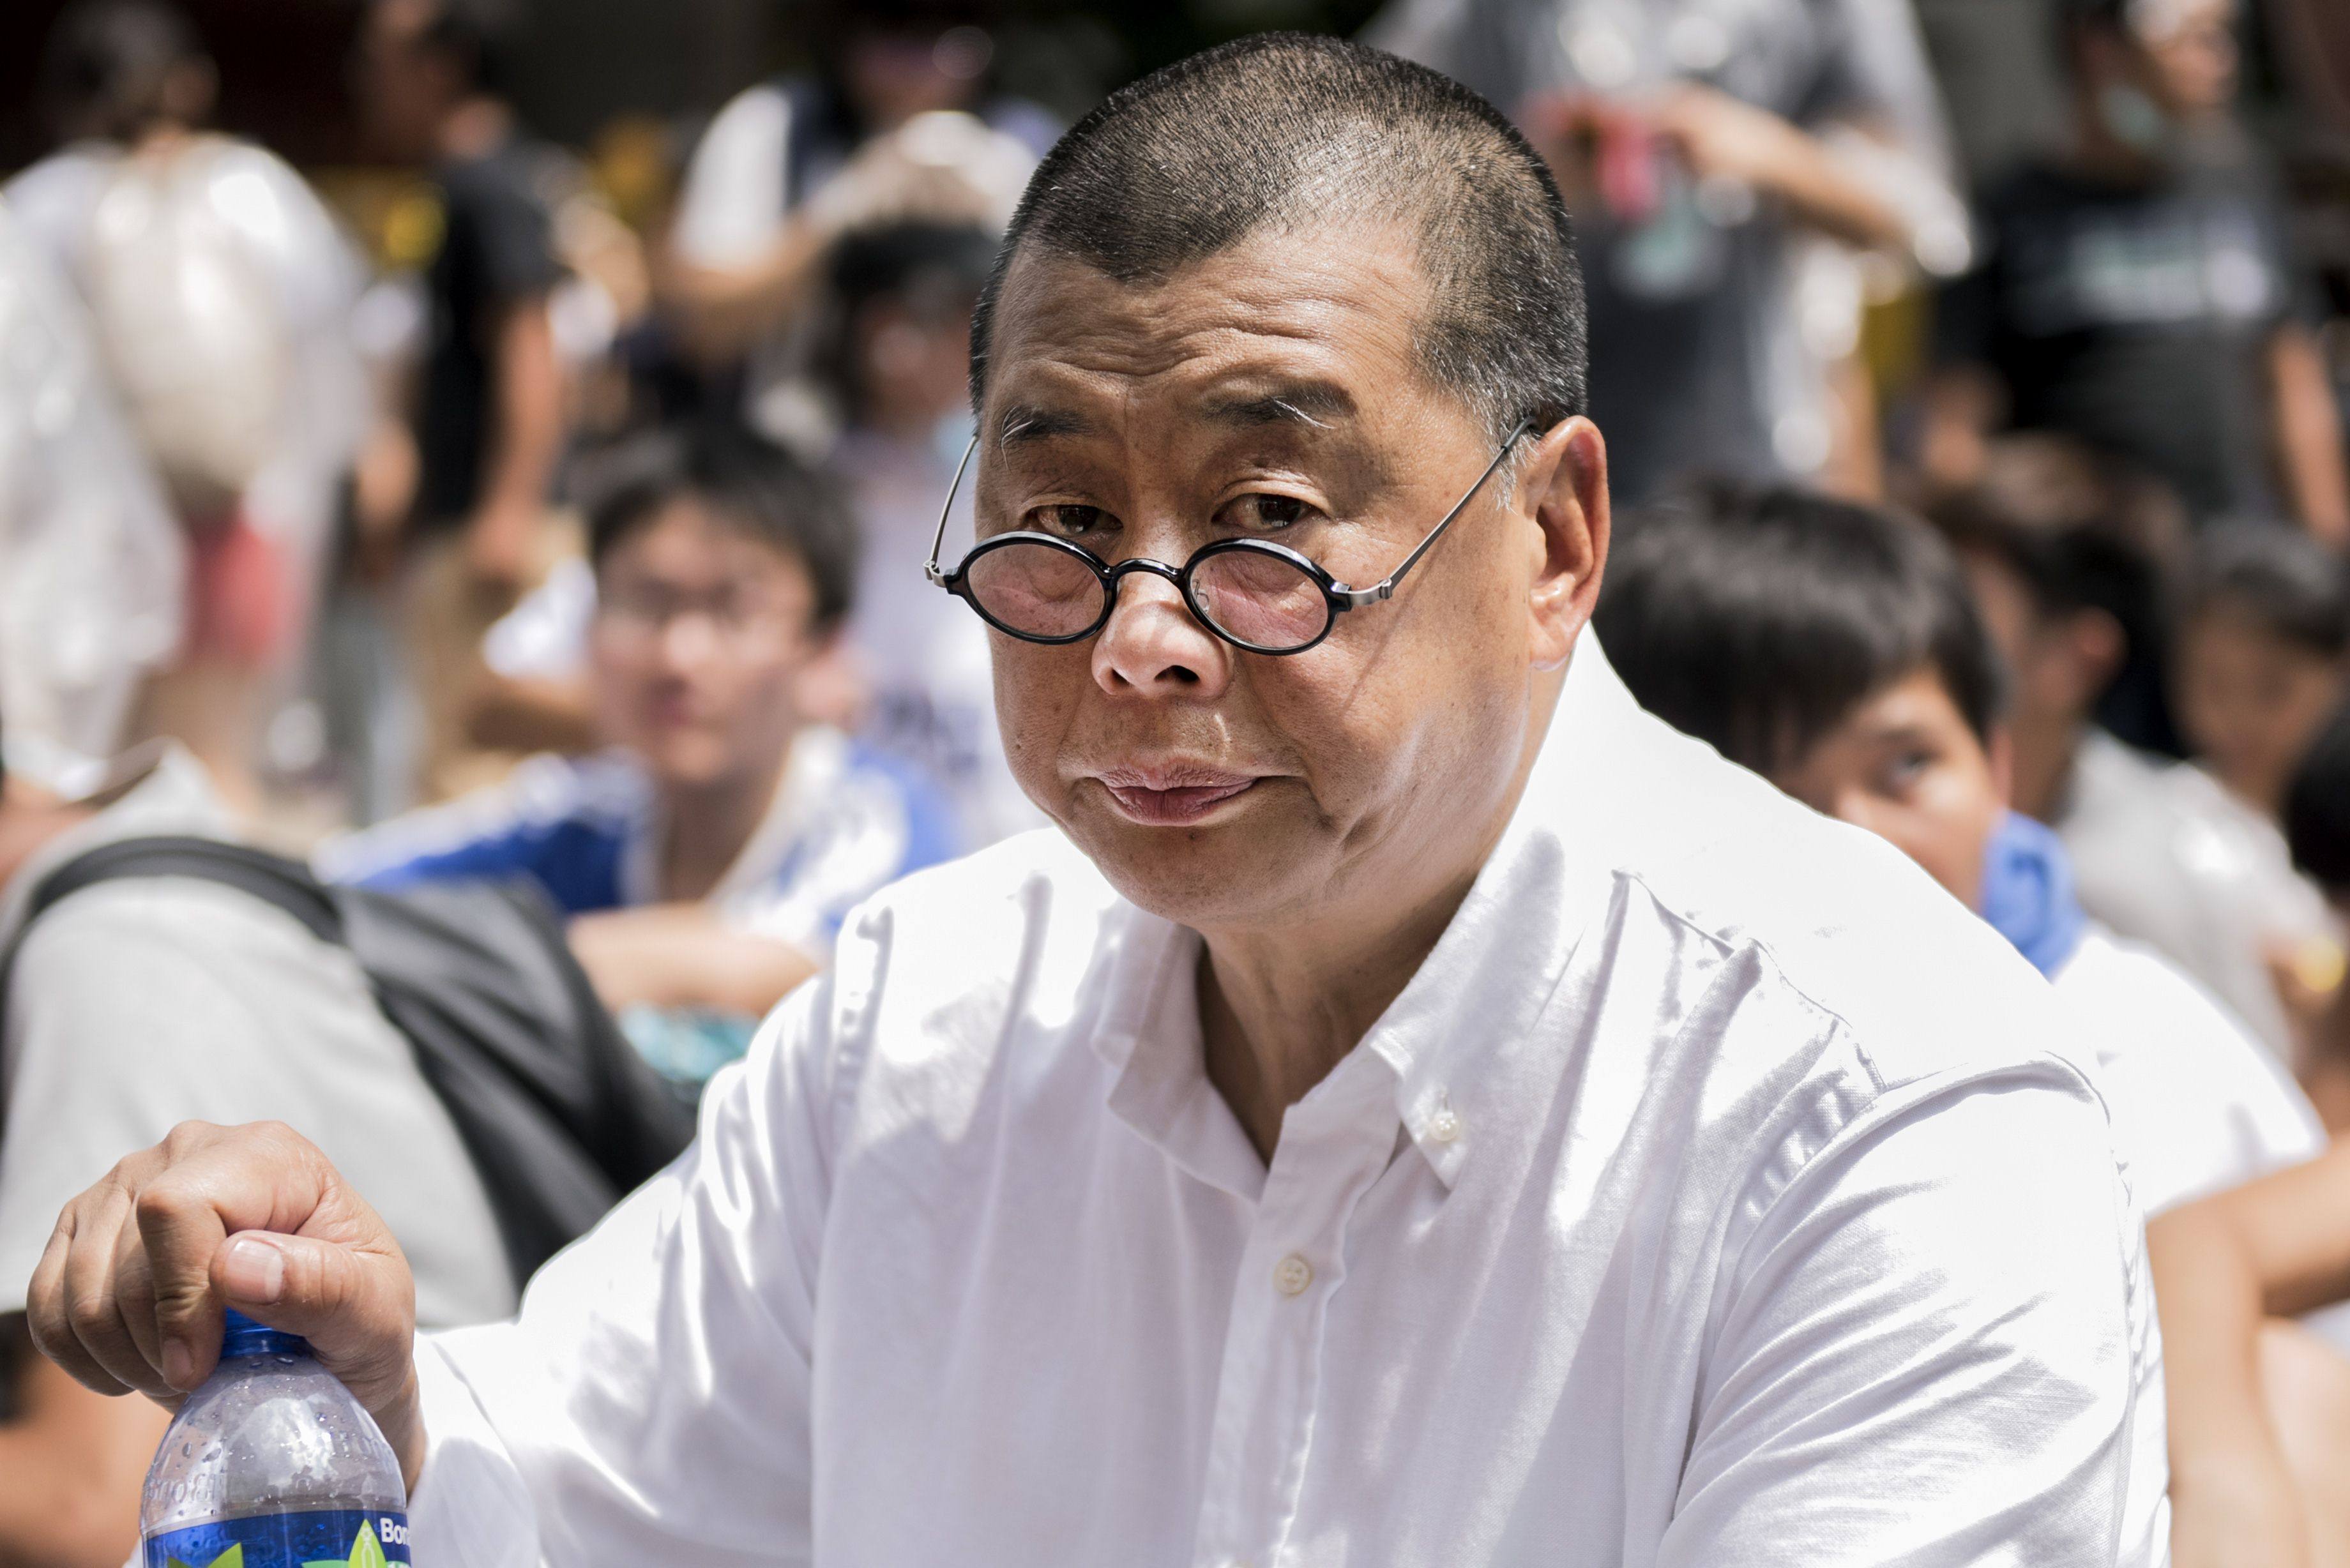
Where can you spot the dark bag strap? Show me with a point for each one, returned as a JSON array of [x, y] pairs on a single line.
[[283, 884]]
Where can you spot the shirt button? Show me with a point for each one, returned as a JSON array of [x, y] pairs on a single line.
[[1444, 1126], [1292, 1275]]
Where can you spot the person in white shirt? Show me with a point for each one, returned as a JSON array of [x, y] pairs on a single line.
[[1836, 648], [896, 123], [1418, 1110]]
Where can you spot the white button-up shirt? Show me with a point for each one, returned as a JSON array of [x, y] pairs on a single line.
[[1719, 1192]]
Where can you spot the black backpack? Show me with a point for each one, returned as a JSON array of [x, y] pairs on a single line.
[[561, 1116]]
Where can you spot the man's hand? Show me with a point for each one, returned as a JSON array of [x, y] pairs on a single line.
[[130, 1294]]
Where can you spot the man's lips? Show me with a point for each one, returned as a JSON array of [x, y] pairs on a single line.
[[1171, 796]]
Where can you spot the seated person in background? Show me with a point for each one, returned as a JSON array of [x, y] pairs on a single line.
[[2261, 1408], [2261, 655], [709, 856], [2063, 570], [131, 1007], [1833, 647]]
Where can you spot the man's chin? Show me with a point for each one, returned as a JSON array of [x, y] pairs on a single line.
[[1201, 875]]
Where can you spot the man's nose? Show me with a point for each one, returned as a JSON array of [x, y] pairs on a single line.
[[687, 641], [1153, 647]]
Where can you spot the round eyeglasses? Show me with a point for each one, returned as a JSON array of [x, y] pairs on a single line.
[[1258, 596]]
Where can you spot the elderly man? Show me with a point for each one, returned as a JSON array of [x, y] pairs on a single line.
[[1419, 1109]]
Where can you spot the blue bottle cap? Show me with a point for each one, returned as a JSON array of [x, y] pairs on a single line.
[[240, 1336]]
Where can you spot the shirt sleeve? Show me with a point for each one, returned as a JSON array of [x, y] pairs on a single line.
[[650, 1403], [510, 232], [1940, 1349], [733, 203]]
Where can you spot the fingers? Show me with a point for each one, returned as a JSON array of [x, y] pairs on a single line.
[[219, 1181], [92, 1307], [47, 1320], [123, 1296]]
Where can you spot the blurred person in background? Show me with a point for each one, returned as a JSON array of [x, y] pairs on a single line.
[[2068, 551], [1835, 649], [894, 123], [488, 408], [708, 857], [220, 291], [2260, 656], [131, 1007], [2061, 558], [2139, 289], [92, 562], [1704, 146], [900, 365]]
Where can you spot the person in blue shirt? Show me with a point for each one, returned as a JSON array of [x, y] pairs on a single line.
[[708, 857]]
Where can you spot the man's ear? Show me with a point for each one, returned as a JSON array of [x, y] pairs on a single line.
[[2097, 648], [1563, 491]]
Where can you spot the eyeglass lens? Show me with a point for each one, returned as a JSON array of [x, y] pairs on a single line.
[[1252, 596], [1259, 599], [1035, 591]]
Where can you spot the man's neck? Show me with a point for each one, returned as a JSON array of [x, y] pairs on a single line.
[[474, 128], [29, 820], [2045, 754], [2099, 154], [708, 828], [1277, 1013], [1280, 1007]]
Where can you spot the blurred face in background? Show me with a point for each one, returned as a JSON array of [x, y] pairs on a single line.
[[2170, 63], [2060, 663], [2251, 701], [404, 85], [912, 359], [2189, 54], [703, 634], [1906, 766]]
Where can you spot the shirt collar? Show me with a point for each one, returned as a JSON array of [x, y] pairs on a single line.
[[1481, 991], [1497, 967]]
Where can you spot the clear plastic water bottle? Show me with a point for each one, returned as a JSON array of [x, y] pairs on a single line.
[[273, 1464]]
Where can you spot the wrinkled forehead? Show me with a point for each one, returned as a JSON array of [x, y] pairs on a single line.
[[1310, 327]]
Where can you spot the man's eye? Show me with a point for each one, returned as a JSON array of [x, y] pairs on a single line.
[[1265, 513], [1067, 518], [1903, 771]]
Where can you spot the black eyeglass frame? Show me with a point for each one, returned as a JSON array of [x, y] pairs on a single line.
[[1337, 597]]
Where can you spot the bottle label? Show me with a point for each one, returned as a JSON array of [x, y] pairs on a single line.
[[326, 1539]]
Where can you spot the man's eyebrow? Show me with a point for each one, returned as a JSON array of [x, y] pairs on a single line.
[[1315, 404], [1025, 422]]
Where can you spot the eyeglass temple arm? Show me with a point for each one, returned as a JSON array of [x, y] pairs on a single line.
[[1356, 598], [939, 540]]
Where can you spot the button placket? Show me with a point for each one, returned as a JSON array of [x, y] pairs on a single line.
[[1333, 1147]]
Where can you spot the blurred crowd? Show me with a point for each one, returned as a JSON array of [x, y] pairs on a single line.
[[563, 515]]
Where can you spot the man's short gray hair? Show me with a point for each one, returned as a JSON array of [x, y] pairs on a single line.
[[1289, 131]]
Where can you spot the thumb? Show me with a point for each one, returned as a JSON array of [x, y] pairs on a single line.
[[355, 1305]]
